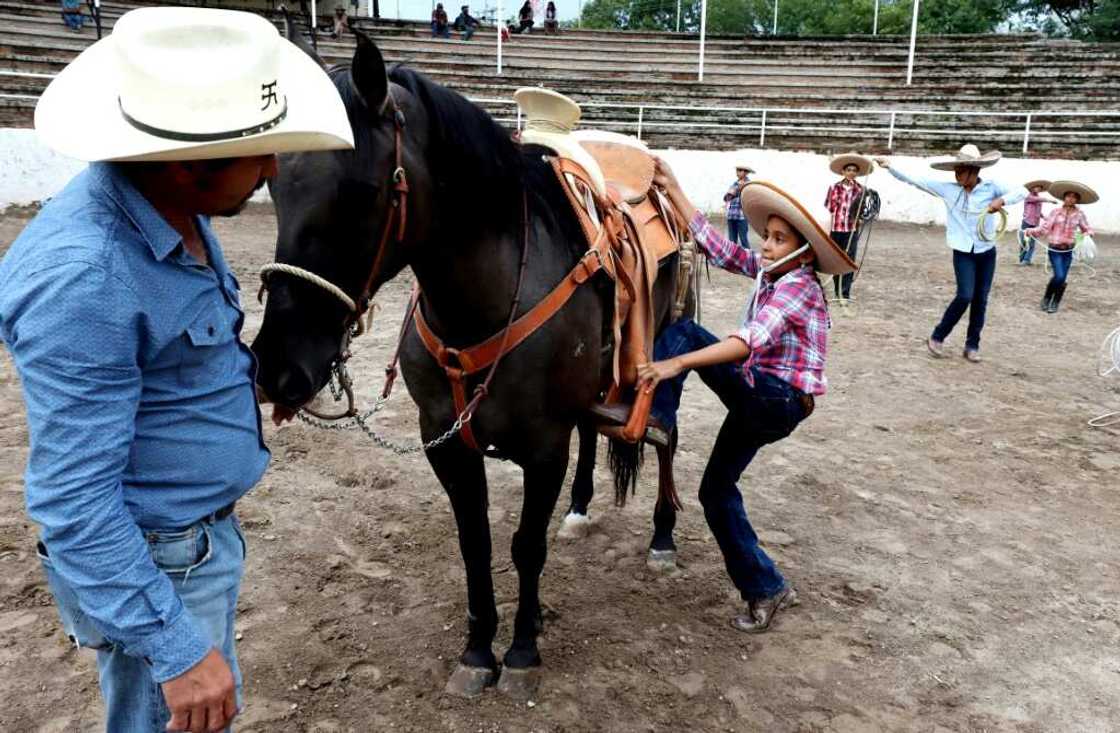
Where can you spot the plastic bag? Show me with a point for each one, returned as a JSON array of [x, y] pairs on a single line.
[[1086, 249]]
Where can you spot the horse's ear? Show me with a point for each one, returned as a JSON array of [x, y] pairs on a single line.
[[292, 34], [367, 70]]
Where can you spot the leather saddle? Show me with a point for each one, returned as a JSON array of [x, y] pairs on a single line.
[[642, 229]]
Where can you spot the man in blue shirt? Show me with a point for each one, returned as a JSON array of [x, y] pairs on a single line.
[[123, 320], [973, 245]]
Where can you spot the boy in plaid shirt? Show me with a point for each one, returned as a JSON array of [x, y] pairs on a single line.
[[737, 226], [766, 373], [1060, 228], [841, 196]]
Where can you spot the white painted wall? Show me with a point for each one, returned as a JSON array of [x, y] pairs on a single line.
[[706, 176], [29, 173]]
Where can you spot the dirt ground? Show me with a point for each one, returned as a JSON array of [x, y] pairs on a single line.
[[951, 529]]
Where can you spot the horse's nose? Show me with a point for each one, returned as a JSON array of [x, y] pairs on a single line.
[[293, 387]]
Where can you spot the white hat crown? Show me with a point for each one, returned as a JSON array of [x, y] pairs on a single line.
[[192, 76], [969, 151]]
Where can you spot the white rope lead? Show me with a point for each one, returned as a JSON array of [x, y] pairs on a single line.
[[310, 277], [1108, 363]]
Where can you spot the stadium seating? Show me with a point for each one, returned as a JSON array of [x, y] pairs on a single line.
[[862, 76]]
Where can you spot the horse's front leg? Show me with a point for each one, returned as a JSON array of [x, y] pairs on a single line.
[[577, 522], [463, 476], [543, 480]]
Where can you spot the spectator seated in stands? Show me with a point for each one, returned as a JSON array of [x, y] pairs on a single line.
[[466, 23], [72, 14], [341, 22], [551, 25], [508, 30], [439, 22], [525, 18]]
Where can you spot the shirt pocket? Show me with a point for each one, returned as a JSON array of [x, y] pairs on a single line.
[[207, 348]]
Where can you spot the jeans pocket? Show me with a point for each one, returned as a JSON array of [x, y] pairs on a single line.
[[180, 552], [75, 623], [240, 535], [781, 416]]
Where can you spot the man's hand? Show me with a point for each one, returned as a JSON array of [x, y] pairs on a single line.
[[651, 373], [995, 206], [883, 162], [202, 698], [664, 177]]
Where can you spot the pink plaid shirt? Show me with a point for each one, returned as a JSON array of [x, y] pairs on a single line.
[[788, 333], [839, 201], [1060, 226]]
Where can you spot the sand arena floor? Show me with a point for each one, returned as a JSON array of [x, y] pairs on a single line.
[[951, 528]]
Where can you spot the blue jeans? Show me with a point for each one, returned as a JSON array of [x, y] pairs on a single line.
[[440, 31], [738, 231], [204, 562], [1026, 244], [974, 273], [849, 244], [1060, 262], [756, 415], [73, 20]]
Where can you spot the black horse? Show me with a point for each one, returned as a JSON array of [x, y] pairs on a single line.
[[475, 201]]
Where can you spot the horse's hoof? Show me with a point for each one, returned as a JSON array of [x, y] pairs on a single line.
[[662, 561], [574, 527], [519, 684], [469, 681]]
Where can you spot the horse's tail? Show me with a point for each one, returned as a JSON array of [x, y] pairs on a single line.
[[625, 460]]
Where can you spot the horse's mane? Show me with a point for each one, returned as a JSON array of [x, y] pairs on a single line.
[[479, 172]]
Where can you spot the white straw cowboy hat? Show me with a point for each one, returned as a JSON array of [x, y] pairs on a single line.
[[741, 166], [1038, 182], [761, 200], [550, 118], [1058, 189], [968, 155], [862, 162], [175, 83]]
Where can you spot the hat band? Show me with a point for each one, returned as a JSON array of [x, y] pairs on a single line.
[[204, 137]]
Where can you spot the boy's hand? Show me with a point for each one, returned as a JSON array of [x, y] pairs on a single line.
[[883, 162], [995, 206], [651, 373]]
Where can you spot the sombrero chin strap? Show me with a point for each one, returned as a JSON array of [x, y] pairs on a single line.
[[769, 268]]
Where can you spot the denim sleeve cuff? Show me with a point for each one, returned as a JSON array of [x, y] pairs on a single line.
[[174, 649]]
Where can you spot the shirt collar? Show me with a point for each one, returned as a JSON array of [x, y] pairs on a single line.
[[160, 236]]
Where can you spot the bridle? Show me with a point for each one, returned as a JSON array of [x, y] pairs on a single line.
[[355, 325]]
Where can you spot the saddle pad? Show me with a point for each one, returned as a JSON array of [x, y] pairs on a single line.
[[625, 161]]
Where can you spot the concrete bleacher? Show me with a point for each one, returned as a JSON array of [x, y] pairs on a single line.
[[953, 75]]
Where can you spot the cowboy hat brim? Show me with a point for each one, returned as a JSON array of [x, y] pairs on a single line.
[[1040, 182], [1058, 189], [984, 161], [866, 165], [79, 115], [761, 200], [746, 168]]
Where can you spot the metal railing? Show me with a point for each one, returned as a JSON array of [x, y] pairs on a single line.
[[875, 123]]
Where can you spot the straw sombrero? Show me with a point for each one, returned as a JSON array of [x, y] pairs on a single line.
[[1039, 182], [1058, 189], [761, 200], [174, 83], [838, 162], [549, 120], [741, 166], [968, 155]]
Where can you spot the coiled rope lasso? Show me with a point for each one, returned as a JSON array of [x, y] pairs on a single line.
[[1108, 363], [982, 232]]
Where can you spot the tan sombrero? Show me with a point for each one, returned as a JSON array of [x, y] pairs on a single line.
[[968, 155], [1058, 189], [175, 83], [741, 166], [761, 200], [1039, 182], [550, 118], [838, 162]]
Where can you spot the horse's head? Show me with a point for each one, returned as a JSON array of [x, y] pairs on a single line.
[[344, 223]]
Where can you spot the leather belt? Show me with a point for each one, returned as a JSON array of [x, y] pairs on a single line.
[[220, 514]]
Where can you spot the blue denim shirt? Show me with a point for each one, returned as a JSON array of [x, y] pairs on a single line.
[[963, 208], [140, 397]]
